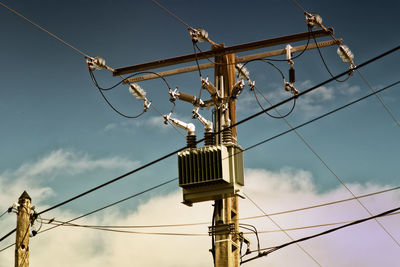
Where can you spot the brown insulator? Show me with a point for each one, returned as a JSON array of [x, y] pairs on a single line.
[[209, 138], [191, 141], [227, 136]]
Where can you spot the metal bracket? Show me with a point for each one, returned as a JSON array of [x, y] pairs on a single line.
[[221, 229]]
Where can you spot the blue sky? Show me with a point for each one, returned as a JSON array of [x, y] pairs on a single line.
[[60, 138]]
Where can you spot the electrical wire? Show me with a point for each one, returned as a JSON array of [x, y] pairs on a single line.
[[114, 203], [7, 247], [320, 117], [172, 14], [272, 116], [216, 133], [8, 234], [379, 99], [4, 213], [273, 249], [240, 219], [326, 65], [338, 178], [320, 205], [44, 30], [299, 6], [254, 89], [277, 225]]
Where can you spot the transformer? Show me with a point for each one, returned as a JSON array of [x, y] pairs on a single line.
[[211, 172]]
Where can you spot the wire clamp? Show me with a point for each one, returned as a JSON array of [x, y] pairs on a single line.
[[221, 229]]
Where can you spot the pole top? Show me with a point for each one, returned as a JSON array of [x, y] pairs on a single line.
[[25, 196]]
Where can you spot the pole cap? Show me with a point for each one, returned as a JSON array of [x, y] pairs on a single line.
[[25, 196]]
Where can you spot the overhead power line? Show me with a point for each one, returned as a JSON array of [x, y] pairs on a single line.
[[320, 117], [216, 133], [204, 223], [118, 227], [280, 228], [115, 203], [44, 30], [273, 249]]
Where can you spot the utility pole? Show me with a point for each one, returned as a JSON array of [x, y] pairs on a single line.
[[227, 210], [23, 228], [225, 229]]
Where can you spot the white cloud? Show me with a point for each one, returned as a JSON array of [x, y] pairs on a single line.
[[313, 103], [273, 191]]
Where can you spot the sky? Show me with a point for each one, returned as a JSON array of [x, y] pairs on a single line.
[[59, 138]]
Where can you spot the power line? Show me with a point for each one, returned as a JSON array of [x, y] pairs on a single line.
[[9, 246], [115, 203], [44, 30], [8, 234], [241, 219], [379, 99], [172, 14], [273, 249], [308, 145], [4, 213], [319, 117], [277, 225], [216, 133]]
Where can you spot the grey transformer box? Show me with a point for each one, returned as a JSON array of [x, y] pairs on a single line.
[[211, 172]]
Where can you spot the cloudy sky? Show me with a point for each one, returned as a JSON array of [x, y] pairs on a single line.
[[59, 138]]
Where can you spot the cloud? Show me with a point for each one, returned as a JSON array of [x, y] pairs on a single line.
[[315, 102], [31, 175], [273, 191]]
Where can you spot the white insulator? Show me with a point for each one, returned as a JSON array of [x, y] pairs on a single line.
[[242, 71], [314, 20], [137, 91], [206, 84], [98, 63], [345, 54], [199, 35]]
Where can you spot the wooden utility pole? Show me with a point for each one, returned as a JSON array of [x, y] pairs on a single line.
[[227, 210], [226, 228], [23, 227]]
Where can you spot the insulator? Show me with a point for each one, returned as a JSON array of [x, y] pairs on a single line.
[[199, 35], [209, 138], [227, 136], [345, 53], [186, 97], [313, 20], [98, 63], [291, 75], [242, 71], [137, 91], [191, 141]]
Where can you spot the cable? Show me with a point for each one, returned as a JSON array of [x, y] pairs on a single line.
[[277, 225], [272, 116], [299, 6], [216, 133], [114, 203], [241, 219], [46, 31], [320, 117], [326, 66], [9, 246], [273, 249], [120, 113], [324, 204], [8, 234], [340, 180], [379, 99], [254, 88], [172, 14], [269, 139], [4, 213]]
